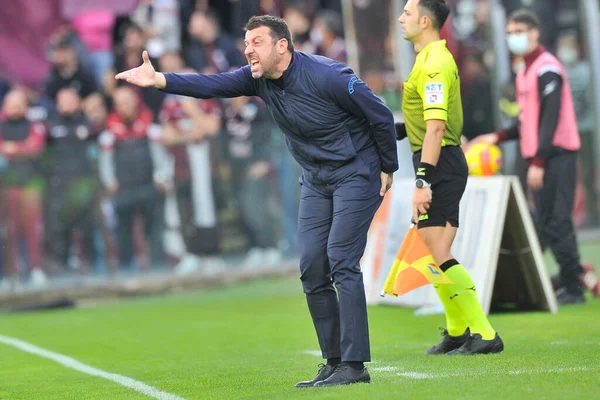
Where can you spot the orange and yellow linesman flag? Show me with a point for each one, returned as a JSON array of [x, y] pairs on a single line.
[[414, 267]]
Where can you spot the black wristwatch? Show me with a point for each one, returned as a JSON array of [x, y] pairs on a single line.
[[421, 183]]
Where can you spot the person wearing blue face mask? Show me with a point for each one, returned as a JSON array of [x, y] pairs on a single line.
[[550, 143]]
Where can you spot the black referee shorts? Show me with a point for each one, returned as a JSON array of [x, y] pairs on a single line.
[[447, 186]]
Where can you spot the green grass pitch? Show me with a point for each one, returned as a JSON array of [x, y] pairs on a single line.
[[256, 340]]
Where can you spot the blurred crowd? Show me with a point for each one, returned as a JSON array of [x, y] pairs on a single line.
[[98, 176]]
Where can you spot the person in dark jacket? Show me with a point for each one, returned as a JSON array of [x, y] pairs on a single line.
[[344, 138], [71, 192], [67, 72]]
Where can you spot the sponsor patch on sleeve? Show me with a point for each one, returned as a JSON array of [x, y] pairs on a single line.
[[434, 93], [351, 84]]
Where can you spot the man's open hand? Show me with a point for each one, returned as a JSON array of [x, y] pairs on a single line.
[[143, 76]]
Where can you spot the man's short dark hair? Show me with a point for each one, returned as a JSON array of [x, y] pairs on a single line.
[[277, 26], [437, 10], [525, 16]]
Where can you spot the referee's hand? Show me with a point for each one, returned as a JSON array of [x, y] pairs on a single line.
[[421, 201]]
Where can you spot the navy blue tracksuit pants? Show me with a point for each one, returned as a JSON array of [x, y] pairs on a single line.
[[333, 222]]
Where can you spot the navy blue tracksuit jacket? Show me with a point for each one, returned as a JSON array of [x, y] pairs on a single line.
[[328, 115], [343, 136]]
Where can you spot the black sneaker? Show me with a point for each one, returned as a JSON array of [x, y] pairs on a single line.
[[345, 375], [449, 342], [325, 372], [564, 297], [476, 345]]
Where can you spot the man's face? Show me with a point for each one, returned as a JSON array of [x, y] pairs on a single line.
[[171, 62], [319, 32], [63, 57], [262, 55], [95, 109], [15, 105], [411, 21], [521, 39], [134, 41], [202, 28], [126, 103], [68, 102], [568, 49], [297, 22]]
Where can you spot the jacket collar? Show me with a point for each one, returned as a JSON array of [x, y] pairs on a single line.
[[531, 57], [290, 71]]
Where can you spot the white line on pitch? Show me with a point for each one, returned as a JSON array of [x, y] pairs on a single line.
[[573, 343], [86, 369], [471, 374], [384, 369], [316, 353]]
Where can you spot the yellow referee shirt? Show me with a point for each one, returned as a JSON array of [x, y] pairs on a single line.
[[432, 91]]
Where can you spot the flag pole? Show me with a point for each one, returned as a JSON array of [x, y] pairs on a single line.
[[412, 224]]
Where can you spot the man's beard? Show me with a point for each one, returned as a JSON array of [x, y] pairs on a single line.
[[272, 62]]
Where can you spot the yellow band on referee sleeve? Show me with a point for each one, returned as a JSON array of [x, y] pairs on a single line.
[[435, 113]]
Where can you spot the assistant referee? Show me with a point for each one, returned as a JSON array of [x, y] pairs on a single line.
[[433, 117]]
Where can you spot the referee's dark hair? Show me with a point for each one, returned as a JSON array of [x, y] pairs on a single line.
[[525, 16], [437, 10], [278, 27]]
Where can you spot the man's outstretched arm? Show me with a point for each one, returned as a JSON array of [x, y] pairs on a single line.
[[228, 84]]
